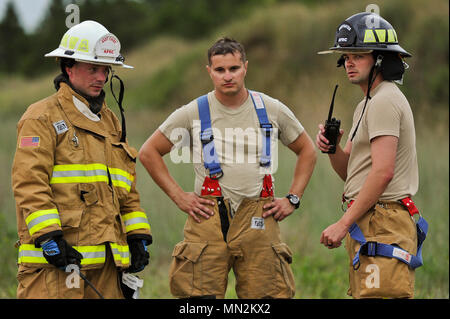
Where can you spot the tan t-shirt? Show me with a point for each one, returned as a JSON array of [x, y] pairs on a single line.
[[387, 113], [237, 140]]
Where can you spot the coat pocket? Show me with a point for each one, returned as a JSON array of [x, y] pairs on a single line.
[[185, 270], [70, 218]]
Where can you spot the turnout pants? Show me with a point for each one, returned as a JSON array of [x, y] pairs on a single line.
[[245, 242], [378, 276], [53, 283]]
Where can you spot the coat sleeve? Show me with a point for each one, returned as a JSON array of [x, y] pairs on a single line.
[[31, 173], [134, 217]]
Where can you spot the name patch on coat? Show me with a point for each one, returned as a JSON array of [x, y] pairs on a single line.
[[258, 223], [60, 127]]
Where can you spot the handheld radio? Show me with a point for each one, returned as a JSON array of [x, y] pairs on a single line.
[[332, 127]]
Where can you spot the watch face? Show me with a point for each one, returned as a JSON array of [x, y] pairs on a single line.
[[294, 199]]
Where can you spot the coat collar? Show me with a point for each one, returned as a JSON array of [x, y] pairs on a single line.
[[76, 118]]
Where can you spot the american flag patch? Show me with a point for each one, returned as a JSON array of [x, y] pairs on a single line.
[[32, 141]]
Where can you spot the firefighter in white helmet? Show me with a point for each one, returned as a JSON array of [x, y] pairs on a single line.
[[74, 180]]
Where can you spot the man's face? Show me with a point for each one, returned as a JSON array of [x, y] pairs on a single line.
[[88, 78], [358, 67], [227, 73]]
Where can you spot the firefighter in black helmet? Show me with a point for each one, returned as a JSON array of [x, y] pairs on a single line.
[[378, 163]]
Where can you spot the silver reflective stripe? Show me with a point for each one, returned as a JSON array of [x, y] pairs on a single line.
[[97, 254], [121, 178], [123, 254], [136, 220], [95, 172], [40, 219], [31, 253]]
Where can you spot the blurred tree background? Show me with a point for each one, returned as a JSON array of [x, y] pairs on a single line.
[[166, 41]]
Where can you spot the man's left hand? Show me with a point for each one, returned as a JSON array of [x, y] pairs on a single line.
[[280, 208], [332, 236]]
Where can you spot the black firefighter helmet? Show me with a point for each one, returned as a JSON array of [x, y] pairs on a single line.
[[367, 32]]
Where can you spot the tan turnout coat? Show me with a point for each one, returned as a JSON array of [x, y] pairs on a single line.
[[72, 174]]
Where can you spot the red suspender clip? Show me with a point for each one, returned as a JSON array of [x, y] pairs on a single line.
[[211, 187], [267, 190], [410, 206]]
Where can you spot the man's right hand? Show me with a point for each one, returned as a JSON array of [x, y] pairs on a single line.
[[60, 254], [195, 206]]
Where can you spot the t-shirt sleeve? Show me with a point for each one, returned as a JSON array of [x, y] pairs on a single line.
[[383, 118], [178, 124], [290, 127]]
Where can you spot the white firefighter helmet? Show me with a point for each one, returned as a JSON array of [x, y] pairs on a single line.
[[90, 42]]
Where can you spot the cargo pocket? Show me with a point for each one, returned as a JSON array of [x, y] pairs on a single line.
[[70, 218], [185, 274], [31, 283], [284, 276]]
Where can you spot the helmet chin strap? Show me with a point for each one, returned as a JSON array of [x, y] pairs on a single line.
[[119, 103], [374, 71]]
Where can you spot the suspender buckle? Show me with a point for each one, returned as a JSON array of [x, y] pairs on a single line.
[[206, 136], [267, 128], [369, 249]]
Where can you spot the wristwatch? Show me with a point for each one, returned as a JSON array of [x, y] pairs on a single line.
[[294, 200]]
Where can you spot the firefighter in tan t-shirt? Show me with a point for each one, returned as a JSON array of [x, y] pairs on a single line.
[[232, 214], [378, 164]]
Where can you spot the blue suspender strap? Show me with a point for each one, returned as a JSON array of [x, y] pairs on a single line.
[[371, 248], [266, 126], [210, 159]]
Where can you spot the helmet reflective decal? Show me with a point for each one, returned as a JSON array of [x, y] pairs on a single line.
[[392, 36], [73, 42], [108, 46], [83, 46], [64, 41], [381, 34], [369, 36]]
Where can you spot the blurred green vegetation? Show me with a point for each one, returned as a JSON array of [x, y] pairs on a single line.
[[281, 39]]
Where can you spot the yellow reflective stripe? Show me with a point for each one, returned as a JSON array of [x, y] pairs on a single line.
[[28, 253], [121, 178], [135, 220], [137, 226], [41, 219], [91, 173], [121, 184], [79, 167], [121, 253], [79, 173], [369, 36], [92, 254], [381, 34]]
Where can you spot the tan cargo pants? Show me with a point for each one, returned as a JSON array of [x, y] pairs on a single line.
[[382, 277], [245, 242], [53, 283]]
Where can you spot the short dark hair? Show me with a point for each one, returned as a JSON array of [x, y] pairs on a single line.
[[224, 46], [63, 62]]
